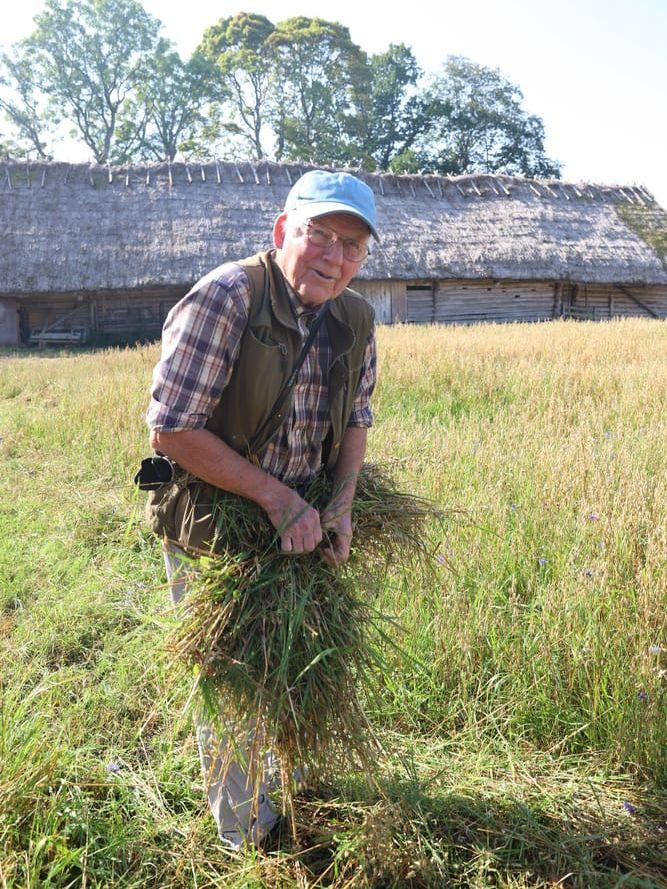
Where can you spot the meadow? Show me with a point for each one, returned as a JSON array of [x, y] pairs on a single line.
[[524, 739]]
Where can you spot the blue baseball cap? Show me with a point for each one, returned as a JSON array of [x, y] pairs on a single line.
[[318, 192]]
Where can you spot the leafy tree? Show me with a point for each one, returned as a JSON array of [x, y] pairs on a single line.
[[393, 111], [165, 115], [479, 124], [89, 55], [22, 103], [320, 76], [241, 75]]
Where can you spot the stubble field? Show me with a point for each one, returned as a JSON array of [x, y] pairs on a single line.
[[524, 741]]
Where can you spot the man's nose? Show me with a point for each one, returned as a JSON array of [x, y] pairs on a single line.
[[334, 252]]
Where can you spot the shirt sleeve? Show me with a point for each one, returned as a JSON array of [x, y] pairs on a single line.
[[362, 415], [200, 343]]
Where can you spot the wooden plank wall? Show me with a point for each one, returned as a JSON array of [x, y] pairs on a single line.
[[470, 302], [380, 295], [9, 321], [608, 301], [115, 316]]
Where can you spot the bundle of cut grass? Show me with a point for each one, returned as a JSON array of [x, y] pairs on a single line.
[[288, 644]]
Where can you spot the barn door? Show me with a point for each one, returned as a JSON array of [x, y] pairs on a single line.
[[421, 303]]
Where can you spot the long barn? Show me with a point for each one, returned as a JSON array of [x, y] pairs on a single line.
[[94, 253]]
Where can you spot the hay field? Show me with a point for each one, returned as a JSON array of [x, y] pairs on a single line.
[[524, 743]]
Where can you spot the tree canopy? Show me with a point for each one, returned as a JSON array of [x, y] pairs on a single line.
[[300, 89]]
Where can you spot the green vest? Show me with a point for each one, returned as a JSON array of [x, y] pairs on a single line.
[[183, 511]]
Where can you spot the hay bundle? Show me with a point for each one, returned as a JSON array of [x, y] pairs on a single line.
[[289, 644]]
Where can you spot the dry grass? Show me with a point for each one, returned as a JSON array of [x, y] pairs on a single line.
[[524, 743]]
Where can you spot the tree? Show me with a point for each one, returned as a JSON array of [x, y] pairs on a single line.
[[241, 74], [393, 112], [22, 103], [480, 126], [320, 77], [89, 55], [165, 115]]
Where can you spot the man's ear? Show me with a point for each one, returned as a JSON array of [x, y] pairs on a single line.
[[279, 230]]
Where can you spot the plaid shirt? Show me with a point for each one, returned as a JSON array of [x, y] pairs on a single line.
[[200, 344]]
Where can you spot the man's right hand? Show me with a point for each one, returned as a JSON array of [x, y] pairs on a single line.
[[296, 521]]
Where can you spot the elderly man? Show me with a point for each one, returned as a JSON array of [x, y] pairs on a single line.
[[266, 374]]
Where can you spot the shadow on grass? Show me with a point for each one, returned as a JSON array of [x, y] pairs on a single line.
[[558, 836]]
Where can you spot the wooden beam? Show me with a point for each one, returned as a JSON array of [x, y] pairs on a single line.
[[635, 299]]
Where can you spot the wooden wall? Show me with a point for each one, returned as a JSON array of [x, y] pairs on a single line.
[[101, 316], [118, 317], [9, 321], [461, 302], [604, 301]]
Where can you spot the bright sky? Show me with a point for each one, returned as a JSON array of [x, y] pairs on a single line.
[[595, 71]]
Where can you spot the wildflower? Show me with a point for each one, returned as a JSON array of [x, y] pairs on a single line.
[[642, 696], [441, 560], [629, 807], [593, 517], [588, 572], [514, 506], [542, 560], [113, 767], [655, 649]]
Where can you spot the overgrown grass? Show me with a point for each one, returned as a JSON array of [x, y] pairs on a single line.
[[526, 745]]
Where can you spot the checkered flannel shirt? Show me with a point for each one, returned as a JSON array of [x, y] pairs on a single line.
[[200, 344]]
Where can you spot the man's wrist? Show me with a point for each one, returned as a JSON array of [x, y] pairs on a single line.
[[271, 494]]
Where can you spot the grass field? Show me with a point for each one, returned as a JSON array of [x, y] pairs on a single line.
[[524, 745]]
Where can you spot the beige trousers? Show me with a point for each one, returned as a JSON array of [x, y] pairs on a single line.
[[230, 791]]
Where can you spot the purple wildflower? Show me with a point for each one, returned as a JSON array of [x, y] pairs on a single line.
[[113, 767], [629, 807], [588, 572], [593, 517], [655, 649], [542, 560]]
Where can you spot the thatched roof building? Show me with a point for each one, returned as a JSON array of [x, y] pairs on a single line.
[[93, 251]]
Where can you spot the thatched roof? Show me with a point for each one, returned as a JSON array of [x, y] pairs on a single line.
[[73, 227]]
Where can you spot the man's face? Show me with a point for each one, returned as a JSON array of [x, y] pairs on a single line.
[[317, 273]]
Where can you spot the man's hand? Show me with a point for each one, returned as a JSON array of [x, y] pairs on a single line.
[[296, 521], [337, 519]]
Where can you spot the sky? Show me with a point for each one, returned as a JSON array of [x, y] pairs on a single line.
[[595, 71]]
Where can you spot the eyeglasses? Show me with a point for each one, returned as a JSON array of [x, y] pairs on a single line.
[[322, 236]]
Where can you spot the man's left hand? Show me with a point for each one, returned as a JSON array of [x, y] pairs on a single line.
[[337, 520]]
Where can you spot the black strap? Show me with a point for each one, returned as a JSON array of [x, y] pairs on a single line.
[[291, 380]]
